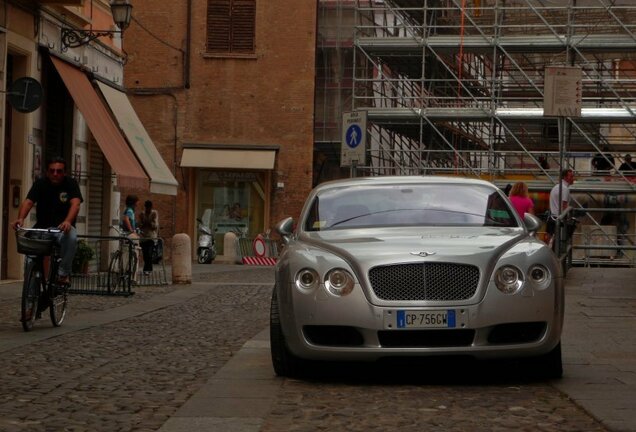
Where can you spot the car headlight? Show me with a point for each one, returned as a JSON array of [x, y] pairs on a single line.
[[339, 282], [509, 279], [540, 276], [307, 279]]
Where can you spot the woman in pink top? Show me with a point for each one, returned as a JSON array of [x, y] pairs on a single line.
[[520, 199]]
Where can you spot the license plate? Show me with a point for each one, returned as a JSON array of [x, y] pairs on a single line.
[[426, 319]]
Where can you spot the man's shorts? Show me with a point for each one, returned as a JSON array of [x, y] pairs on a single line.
[[550, 225]]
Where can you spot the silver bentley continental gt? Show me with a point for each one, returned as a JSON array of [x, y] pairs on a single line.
[[414, 266]]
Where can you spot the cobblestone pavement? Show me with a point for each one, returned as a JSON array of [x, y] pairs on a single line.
[[413, 405], [127, 375], [133, 375]]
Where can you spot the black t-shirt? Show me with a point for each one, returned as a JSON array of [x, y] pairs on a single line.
[[53, 201], [600, 163]]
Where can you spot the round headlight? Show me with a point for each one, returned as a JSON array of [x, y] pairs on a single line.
[[307, 279], [539, 275], [508, 279], [339, 282]]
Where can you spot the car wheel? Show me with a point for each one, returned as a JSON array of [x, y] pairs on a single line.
[[550, 365], [284, 362]]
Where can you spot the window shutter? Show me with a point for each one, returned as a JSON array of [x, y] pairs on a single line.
[[231, 26], [243, 26], [219, 24]]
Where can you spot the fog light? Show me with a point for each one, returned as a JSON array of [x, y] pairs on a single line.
[[339, 282], [508, 279]]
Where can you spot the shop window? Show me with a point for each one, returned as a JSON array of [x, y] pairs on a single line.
[[231, 202]]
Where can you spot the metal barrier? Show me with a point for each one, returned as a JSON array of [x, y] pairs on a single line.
[[595, 244], [91, 276], [605, 244], [260, 251]]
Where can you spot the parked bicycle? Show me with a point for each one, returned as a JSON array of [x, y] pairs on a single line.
[[123, 264], [40, 289]]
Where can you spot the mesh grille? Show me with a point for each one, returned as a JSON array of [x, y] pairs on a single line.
[[425, 281]]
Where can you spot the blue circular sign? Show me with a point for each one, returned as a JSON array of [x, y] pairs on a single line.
[[353, 136]]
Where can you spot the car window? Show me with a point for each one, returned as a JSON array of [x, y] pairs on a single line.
[[408, 205]]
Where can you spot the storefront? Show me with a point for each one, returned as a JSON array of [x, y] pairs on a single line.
[[232, 185]]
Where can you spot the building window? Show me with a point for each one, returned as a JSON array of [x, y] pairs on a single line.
[[231, 26]]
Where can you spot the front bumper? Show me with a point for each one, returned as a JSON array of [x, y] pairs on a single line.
[[321, 326]]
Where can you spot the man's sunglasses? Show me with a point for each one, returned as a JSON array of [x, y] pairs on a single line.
[[56, 170]]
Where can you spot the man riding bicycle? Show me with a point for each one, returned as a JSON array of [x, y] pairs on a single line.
[[57, 200]]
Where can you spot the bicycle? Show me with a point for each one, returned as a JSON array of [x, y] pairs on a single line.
[[41, 290], [120, 276]]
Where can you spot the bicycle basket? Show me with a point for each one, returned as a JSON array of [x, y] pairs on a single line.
[[34, 243]]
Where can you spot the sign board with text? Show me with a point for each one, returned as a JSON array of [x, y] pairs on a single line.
[[562, 91], [354, 138]]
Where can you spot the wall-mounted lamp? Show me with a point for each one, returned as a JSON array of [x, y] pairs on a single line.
[[121, 11]]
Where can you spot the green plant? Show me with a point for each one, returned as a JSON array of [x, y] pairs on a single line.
[[83, 255]]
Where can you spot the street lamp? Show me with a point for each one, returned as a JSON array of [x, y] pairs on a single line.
[[121, 11]]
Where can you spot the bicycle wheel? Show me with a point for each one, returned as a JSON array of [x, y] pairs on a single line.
[[115, 273], [58, 305], [30, 295], [132, 272]]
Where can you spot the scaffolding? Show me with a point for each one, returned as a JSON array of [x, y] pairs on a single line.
[[456, 87]]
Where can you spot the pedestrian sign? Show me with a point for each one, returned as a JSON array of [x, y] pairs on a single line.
[[354, 138]]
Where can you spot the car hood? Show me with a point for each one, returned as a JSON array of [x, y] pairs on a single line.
[[365, 248]]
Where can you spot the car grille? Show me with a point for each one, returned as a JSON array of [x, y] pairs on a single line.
[[424, 281]]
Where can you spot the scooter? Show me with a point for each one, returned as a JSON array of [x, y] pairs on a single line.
[[206, 250]]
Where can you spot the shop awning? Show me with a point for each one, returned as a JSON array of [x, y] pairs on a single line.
[[219, 156], [161, 179], [110, 140]]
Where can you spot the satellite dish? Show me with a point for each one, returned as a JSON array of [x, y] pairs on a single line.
[[25, 94]]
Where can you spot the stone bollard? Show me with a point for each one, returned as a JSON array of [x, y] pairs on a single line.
[[229, 247], [181, 259]]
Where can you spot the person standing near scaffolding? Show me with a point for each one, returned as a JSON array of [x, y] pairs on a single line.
[[567, 176], [603, 162], [520, 199]]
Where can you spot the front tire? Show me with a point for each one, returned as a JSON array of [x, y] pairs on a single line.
[[57, 308], [550, 365], [204, 256], [284, 362], [30, 297]]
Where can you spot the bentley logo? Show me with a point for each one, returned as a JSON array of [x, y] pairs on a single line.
[[423, 253]]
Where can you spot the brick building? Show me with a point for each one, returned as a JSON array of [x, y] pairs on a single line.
[[225, 89]]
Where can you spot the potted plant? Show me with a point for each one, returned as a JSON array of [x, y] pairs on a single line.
[[83, 255]]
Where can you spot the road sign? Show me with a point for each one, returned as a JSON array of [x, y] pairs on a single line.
[[25, 94], [354, 138], [562, 91]]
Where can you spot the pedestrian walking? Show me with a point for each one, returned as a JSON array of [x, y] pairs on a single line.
[[149, 225], [129, 225]]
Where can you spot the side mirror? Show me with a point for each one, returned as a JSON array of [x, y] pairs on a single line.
[[285, 228], [532, 223]]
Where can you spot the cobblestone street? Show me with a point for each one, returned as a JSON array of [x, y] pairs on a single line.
[[307, 406], [135, 374], [127, 375]]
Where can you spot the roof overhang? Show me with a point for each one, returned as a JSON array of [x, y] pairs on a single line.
[[255, 157]]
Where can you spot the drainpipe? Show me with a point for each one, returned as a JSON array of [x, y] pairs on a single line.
[[186, 62]]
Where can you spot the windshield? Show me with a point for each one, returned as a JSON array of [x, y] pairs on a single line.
[[409, 205]]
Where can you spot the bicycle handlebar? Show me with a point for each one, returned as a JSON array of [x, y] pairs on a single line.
[[47, 230]]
